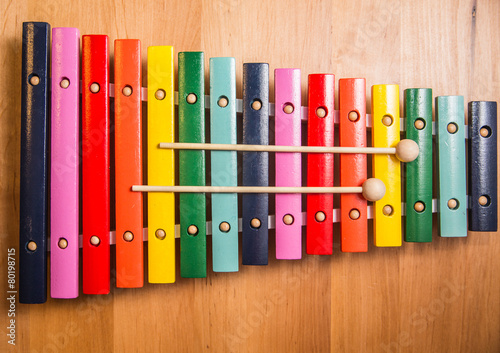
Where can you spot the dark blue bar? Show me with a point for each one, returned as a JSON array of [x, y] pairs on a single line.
[[33, 187], [483, 166], [255, 164]]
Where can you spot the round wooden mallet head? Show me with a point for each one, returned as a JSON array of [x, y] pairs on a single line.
[[407, 150], [373, 189]]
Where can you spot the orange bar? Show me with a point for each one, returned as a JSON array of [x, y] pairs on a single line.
[[128, 163], [353, 167]]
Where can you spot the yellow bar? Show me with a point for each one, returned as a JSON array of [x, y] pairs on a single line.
[[161, 167], [385, 108]]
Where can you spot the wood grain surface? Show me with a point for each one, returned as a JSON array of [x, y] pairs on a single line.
[[438, 297]]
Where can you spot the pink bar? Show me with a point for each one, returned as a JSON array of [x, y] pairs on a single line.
[[64, 163], [288, 165]]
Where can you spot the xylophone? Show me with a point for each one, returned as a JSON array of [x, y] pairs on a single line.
[[51, 146]]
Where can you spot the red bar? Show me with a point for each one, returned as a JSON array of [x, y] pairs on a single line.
[[352, 98], [95, 164], [128, 163], [320, 166]]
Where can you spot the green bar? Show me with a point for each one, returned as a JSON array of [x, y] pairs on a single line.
[[192, 165], [418, 106]]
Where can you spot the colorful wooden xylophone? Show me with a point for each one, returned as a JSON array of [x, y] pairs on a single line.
[[61, 127]]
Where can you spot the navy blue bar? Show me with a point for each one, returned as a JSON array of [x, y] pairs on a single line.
[[483, 166], [255, 164], [34, 128]]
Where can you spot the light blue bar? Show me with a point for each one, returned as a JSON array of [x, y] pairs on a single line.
[[451, 166], [224, 164]]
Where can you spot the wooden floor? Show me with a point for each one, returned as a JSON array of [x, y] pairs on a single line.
[[437, 297]]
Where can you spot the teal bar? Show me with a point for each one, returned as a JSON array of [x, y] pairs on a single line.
[[451, 166], [224, 164]]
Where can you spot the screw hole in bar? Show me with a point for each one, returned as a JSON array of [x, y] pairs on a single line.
[[256, 104], [160, 94], [388, 210], [484, 200], [192, 230], [64, 83], [452, 128], [353, 116], [62, 243], [387, 120], [354, 214], [94, 87], [419, 206], [223, 101], [320, 216], [321, 112], [160, 234], [453, 204], [419, 124], [128, 236], [94, 240], [191, 98], [127, 91], [288, 108], [31, 246], [288, 219], [224, 227], [485, 131], [255, 223], [34, 80]]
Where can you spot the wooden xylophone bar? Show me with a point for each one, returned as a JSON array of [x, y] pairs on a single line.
[[288, 112]]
